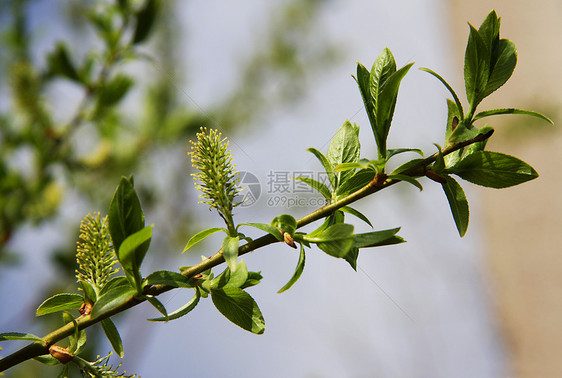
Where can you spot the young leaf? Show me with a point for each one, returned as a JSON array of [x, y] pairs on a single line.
[[476, 68], [157, 305], [351, 257], [356, 213], [407, 179], [285, 222], [240, 308], [60, 302], [321, 188], [512, 111], [375, 238], [168, 278], [326, 164], [344, 148], [494, 170], [59, 63], [267, 228], [20, 336], [449, 88], [125, 213], [78, 339], [336, 240], [113, 336], [181, 311], [89, 291], [202, 235], [298, 271], [253, 279], [458, 204], [239, 276], [131, 254], [113, 283], [230, 250], [355, 182], [112, 298], [502, 66]]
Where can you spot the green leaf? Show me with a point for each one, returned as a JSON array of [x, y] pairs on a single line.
[[364, 82], [285, 222], [230, 250], [113, 283], [145, 20], [357, 214], [409, 165], [113, 336], [396, 151], [168, 278], [125, 213], [202, 235], [453, 123], [450, 89], [512, 111], [78, 339], [352, 256], [157, 305], [344, 148], [89, 291], [111, 299], [131, 254], [298, 271], [184, 310], [239, 276], [20, 336], [60, 302], [336, 240], [458, 204], [240, 308], [267, 228], [502, 66], [377, 238], [384, 82], [349, 166], [407, 179], [326, 164], [476, 68], [47, 360], [355, 182], [253, 279], [494, 170], [323, 189]]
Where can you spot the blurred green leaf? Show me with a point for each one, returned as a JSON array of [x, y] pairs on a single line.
[[113, 336], [111, 92], [298, 271], [494, 169], [60, 302], [336, 240], [145, 21], [59, 63], [458, 204], [240, 308]]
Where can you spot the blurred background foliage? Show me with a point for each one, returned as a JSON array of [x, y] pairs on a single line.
[[108, 99]]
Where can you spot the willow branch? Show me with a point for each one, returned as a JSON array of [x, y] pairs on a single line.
[[38, 348]]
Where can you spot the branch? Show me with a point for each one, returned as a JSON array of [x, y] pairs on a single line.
[[378, 183]]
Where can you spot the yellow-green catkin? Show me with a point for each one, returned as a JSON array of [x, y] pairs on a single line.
[[95, 255], [216, 177]]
